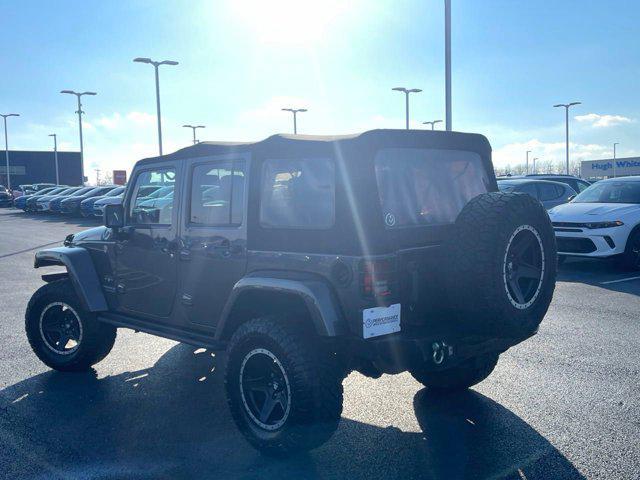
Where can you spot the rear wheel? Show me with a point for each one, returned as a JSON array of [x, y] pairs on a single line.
[[463, 376], [631, 256], [284, 392], [62, 333]]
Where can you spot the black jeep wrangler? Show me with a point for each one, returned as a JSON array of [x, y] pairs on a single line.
[[306, 258]]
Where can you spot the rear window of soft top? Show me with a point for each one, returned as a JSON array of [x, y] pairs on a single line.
[[427, 186]]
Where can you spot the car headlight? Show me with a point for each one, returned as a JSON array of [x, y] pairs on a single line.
[[594, 225]]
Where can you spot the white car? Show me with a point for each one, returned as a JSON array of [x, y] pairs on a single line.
[[602, 221]]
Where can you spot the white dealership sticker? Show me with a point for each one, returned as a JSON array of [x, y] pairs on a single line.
[[380, 321]]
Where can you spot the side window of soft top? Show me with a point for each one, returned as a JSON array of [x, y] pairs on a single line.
[[298, 193], [152, 199]]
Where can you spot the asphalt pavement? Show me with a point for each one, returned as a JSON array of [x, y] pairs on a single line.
[[563, 405]]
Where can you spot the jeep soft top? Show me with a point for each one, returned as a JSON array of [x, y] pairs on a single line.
[[305, 258]]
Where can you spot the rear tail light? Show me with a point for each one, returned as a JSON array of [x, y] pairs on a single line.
[[377, 277]]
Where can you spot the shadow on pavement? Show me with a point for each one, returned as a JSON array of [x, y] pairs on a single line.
[[598, 272], [171, 421]]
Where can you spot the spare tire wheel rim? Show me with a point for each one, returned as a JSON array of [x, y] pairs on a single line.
[[523, 267], [265, 389]]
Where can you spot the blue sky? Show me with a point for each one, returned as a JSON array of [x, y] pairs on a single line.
[[241, 61]]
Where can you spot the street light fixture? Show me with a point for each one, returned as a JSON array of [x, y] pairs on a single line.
[[6, 144], [80, 112], [55, 156], [406, 92], [526, 166], [534, 165], [194, 127], [614, 158], [432, 123], [566, 114], [155, 66], [295, 112]]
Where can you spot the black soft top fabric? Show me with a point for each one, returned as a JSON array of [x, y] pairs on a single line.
[[358, 228]]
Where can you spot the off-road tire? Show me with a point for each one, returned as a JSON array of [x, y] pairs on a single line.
[[478, 287], [97, 337], [463, 376], [314, 378]]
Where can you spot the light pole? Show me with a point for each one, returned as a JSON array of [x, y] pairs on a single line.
[[566, 115], [155, 66], [534, 164], [295, 112], [6, 144], [614, 159], [80, 112], [194, 127], [432, 123], [406, 92], [526, 165], [55, 156], [447, 62]]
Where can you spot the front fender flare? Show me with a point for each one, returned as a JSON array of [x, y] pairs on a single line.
[[83, 274], [316, 295]]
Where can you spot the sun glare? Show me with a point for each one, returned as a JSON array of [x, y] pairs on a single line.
[[289, 22]]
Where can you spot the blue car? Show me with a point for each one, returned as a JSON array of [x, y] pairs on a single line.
[[54, 205], [45, 204], [27, 202], [86, 206], [71, 205]]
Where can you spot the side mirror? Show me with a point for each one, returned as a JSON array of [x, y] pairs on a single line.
[[571, 197], [113, 216]]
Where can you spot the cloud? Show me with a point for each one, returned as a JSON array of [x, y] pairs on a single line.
[[515, 153], [111, 122], [141, 118], [599, 121]]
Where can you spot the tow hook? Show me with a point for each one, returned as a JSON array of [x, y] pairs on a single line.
[[441, 351]]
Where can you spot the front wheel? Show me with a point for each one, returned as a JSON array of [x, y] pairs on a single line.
[[631, 256], [62, 333], [284, 392], [461, 377]]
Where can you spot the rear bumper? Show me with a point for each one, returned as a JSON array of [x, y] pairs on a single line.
[[400, 352]]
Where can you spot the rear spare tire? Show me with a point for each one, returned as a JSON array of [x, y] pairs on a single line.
[[503, 255]]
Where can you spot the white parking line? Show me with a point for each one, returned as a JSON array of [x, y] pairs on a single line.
[[620, 280]]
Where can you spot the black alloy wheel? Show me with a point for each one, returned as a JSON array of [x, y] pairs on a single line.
[[60, 328], [523, 266], [265, 389]]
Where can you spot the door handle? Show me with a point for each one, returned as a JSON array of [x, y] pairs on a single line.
[[221, 248]]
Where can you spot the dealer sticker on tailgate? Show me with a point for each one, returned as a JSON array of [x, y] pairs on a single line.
[[380, 321]]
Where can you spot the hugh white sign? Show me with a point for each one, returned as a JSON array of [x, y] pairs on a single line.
[[607, 167]]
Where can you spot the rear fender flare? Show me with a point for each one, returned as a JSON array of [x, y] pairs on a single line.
[[327, 319], [80, 270]]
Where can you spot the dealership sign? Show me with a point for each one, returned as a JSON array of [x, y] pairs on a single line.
[[606, 168], [119, 177]]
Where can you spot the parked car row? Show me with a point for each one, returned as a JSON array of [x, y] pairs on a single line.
[[599, 220], [82, 201]]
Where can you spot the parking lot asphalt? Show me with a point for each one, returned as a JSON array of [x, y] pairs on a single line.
[[564, 404]]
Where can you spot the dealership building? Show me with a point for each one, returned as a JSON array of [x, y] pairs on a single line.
[[26, 168], [609, 167]]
